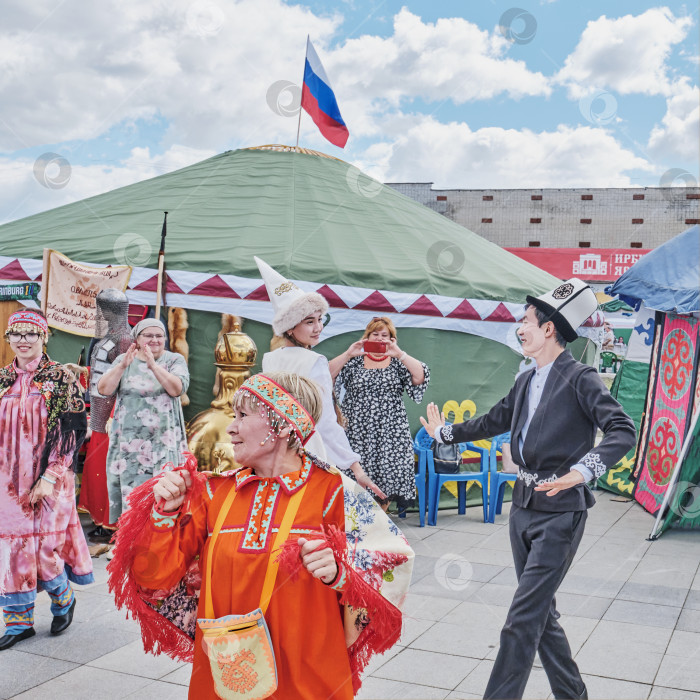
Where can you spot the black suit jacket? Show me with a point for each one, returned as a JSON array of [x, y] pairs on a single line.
[[562, 432]]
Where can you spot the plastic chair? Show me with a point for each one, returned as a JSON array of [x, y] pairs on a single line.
[[420, 451], [436, 481], [498, 479]]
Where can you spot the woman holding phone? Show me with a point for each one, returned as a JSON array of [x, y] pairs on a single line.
[[374, 373]]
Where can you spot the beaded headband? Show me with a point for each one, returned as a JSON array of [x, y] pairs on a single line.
[[19, 321], [282, 403]]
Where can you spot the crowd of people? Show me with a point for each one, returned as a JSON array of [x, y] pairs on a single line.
[[310, 572]]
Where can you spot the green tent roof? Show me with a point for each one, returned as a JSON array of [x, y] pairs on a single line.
[[312, 217]]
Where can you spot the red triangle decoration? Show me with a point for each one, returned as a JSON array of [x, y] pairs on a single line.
[[13, 271], [501, 314], [215, 287], [151, 285], [466, 311], [331, 297], [259, 294], [424, 307], [376, 301]]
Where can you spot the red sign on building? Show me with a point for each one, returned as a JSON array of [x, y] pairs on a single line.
[[590, 264]]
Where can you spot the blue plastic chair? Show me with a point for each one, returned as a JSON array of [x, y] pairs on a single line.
[[420, 451], [498, 479], [423, 442]]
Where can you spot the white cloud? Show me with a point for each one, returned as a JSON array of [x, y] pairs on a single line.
[[23, 192], [679, 132], [628, 54], [502, 158]]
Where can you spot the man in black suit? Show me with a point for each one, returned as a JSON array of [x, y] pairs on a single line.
[[552, 413]]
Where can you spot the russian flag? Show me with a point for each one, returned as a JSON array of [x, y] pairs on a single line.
[[318, 99]]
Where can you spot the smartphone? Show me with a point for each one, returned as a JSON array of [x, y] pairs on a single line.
[[374, 346]]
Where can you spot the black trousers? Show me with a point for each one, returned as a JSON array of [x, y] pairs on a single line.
[[544, 545]]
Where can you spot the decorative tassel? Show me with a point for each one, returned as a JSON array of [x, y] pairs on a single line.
[[158, 634]]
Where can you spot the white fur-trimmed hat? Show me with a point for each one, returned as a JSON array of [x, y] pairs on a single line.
[[567, 306], [290, 304]]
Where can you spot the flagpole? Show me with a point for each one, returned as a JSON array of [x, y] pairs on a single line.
[[302, 93]]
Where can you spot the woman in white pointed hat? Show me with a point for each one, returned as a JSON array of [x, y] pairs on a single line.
[[298, 320]]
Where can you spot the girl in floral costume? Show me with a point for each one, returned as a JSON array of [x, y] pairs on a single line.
[[42, 425], [344, 569]]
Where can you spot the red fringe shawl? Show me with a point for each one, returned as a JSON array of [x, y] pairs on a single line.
[[383, 627], [159, 635]]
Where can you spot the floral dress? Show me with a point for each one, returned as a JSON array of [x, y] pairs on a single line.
[[377, 424], [148, 429]]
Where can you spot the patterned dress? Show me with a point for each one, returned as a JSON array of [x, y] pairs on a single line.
[[148, 429], [43, 546], [377, 424]]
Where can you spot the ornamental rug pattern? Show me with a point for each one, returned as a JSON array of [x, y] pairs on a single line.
[[667, 414]]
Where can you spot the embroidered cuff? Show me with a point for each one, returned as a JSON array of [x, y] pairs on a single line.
[[587, 473], [163, 520], [438, 435], [593, 463], [338, 583]]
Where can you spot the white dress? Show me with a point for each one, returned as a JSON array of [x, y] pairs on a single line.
[[329, 443]]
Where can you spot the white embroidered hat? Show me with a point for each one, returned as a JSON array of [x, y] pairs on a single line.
[[290, 304], [567, 306]]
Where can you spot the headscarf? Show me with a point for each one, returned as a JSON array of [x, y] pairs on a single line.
[[146, 323], [281, 403]]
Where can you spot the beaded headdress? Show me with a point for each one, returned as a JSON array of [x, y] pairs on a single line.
[[27, 321], [281, 403]]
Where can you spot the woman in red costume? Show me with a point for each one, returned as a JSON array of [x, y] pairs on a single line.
[[344, 569]]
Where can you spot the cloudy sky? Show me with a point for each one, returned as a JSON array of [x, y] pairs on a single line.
[[462, 93]]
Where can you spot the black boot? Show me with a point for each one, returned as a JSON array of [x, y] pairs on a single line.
[[61, 623], [9, 640]]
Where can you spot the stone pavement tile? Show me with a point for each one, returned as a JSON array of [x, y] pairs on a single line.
[[133, 658], [692, 602], [589, 606], [467, 523], [577, 629], [643, 614], [161, 691], [412, 629], [87, 683], [689, 621], [460, 640], [696, 582], [454, 567], [427, 668], [496, 557], [681, 672], [428, 607], [21, 671], [623, 651], [587, 542], [658, 595], [660, 693], [537, 686], [665, 571], [499, 540], [603, 688], [382, 689], [458, 590], [460, 695], [423, 565], [684, 644], [477, 617], [378, 660], [494, 594], [601, 587], [80, 643], [412, 530], [506, 577], [179, 677], [449, 541]]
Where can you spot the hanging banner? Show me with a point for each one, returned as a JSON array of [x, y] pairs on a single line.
[[25, 291], [70, 289]]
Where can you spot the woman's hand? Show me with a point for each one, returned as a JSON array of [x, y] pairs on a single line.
[[435, 419], [356, 349], [393, 349], [129, 356], [41, 490], [148, 356], [363, 480], [320, 563], [170, 490]]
